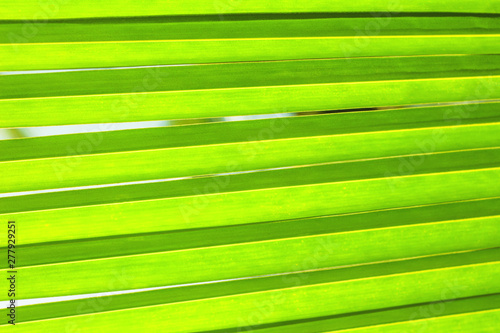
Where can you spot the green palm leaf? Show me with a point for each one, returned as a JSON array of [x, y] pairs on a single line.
[[368, 201]]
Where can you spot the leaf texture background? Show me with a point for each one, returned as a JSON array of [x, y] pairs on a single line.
[[363, 196]]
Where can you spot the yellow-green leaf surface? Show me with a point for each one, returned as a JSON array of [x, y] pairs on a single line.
[[455, 314], [171, 40], [47, 253], [380, 214], [140, 94], [56, 269], [135, 155], [228, 199], [292, 297], [467, 322], [62, 9]]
